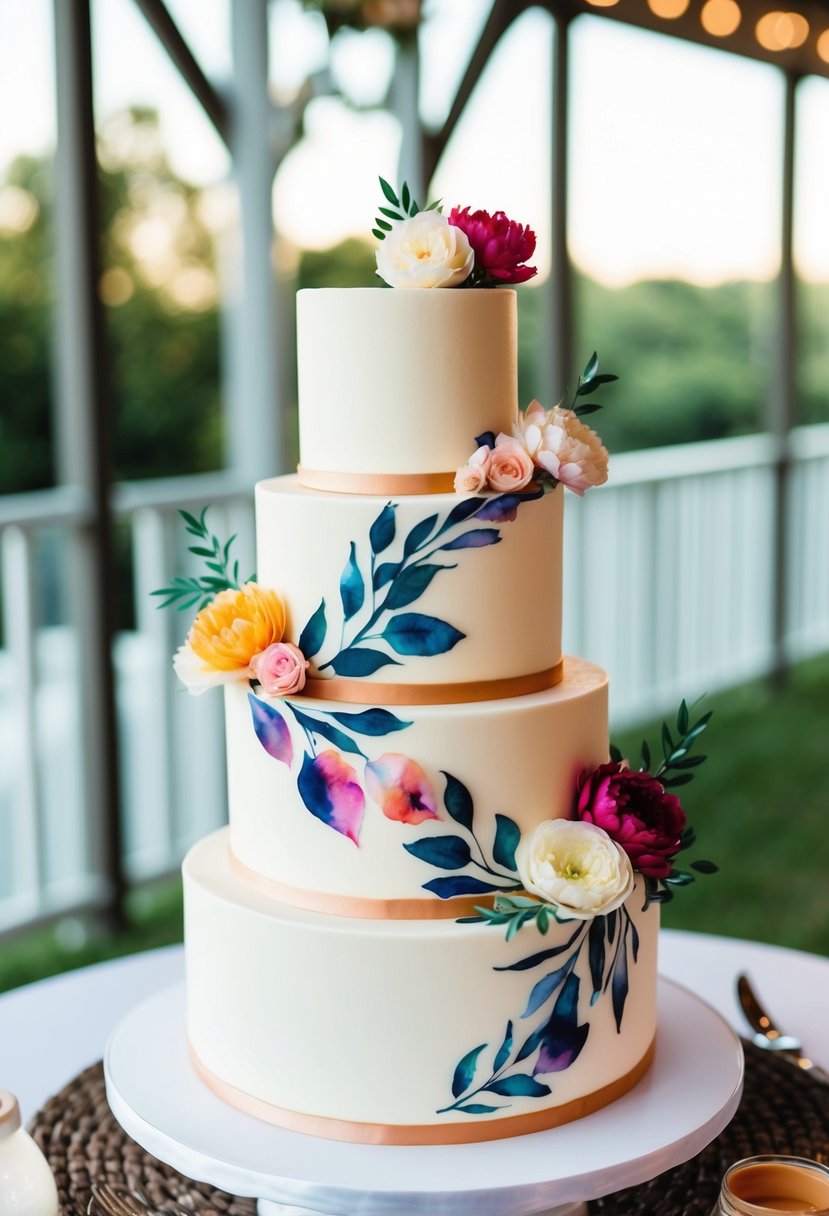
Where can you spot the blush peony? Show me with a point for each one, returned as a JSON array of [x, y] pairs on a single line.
[[558, 441], [280, 669], [510, 467], [425, 251], [637, 812], [575, 866], [500, 245]]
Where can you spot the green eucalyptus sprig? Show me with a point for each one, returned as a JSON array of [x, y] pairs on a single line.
[[224, 573], [589, 381], [515, 911], [401, 208]]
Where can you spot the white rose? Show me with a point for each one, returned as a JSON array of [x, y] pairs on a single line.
[[425, 251], [576, 866]]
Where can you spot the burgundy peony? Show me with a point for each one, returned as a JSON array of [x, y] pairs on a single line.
[[637, 812], [501, 246]]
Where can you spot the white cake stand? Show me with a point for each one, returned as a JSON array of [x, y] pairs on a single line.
[[688, 1096]]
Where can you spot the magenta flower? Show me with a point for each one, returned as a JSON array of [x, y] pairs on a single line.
[[501, 246], [401, 789], [637, 812]]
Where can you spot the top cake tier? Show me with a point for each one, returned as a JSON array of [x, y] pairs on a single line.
[[397, 384]]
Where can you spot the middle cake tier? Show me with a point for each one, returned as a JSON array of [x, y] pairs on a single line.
[[414, 811], [433, 597]]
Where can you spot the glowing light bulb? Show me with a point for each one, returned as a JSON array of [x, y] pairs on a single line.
[[720, 17], [823, 46], [782, 31], [669, 9]]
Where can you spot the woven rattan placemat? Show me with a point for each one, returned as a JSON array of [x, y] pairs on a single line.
[[783, 1110]]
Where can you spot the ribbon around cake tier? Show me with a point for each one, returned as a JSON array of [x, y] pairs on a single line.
[[379, 484], [359, 692]]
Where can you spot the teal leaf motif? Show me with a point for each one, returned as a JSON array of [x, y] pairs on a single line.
[[385, 573], [504, 1050], [313, 635], [381, 533], [444, 852], [419, 534], [415, 633], [535, 960], [596, 951], [361, 662], [461, 884], [464, 509], [271, 730], [519, 1085], [507, 836], [458, 801], [352, 587], [328, 731], [619, 986], [477, 1108], [372, 722], [544, 989], [465, 1071], [410, 584], [478, 538]]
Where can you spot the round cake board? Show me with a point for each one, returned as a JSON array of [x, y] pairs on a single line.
[[685, 1100]]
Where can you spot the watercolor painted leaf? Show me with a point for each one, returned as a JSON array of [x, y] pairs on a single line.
[[313, 635], [458, 801], [521, 1085], [331, 792], [372, 722], [504, 1050], [443, 852], [478, 538], [461, 884], [271, 730], [562, 1038], [507, 836], [596, 953], [360, 662], [381, 533], [634, 941], [619, 987], [531, 1044], [535, 960], [477, 1108], [385, 573], [401, 789], [352, 587], [504, 508], [417, 634], [419, 534], [465, 1071], [410, 584], [319, 726], [545, 987], [464, 509]]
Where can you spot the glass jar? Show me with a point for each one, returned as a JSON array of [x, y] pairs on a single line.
[[762, 1186]]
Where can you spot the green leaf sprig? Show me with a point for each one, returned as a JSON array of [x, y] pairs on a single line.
[[402, 208], [589, 381], [515, 911], [223, 573]]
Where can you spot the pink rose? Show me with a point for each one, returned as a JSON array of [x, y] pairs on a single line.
[[637, 812], [501, 246], [471, 477], [280, 669], [510, 466]]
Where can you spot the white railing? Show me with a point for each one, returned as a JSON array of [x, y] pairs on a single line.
[[668, 584]]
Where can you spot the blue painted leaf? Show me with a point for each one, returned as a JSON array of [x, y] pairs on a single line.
[[331, 792], [486, 439], [531, 1044], [477, 1108], [360, 662], [419, 534], [461, 884], [465, 1071], [328, 731], [519, 1086], [372, 722], [504, 1050], [504, 508], [507, 836], [563, 1038], [385, 573], [271, 730], [611, 930], [458, 801], [410, 584], [461, 512], [313, 635], [415, 633], [546, 986], [444, 852], [352, 587], [478, 538], [596, 952], [381, 533], [634, 941], [535, 960], [619, 987]]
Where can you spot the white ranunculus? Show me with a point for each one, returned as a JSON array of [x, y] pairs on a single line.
[[425, 251], [575, 866]]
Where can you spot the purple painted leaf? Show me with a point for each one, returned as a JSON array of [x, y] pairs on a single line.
[[478, 538], [562, 1038], [504, 508], [271, 730], [330, 790]]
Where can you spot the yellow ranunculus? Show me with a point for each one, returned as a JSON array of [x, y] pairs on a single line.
[[226, 635]]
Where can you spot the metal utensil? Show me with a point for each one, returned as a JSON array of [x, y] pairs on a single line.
[[114, 1201], [769, 1036]]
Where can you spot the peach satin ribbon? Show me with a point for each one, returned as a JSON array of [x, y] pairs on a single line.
[[376, 483], [468, 1132], [362, 692]]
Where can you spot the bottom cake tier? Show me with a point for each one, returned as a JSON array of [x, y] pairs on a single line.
[[407, 1031]]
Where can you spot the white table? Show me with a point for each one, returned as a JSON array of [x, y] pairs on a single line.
[[51, 1030]]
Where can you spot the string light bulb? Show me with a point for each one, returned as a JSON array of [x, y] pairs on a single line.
[[720, 17], [781, 31], [669, 9]]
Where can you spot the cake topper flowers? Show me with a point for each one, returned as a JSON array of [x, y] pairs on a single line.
[[424, 248]]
